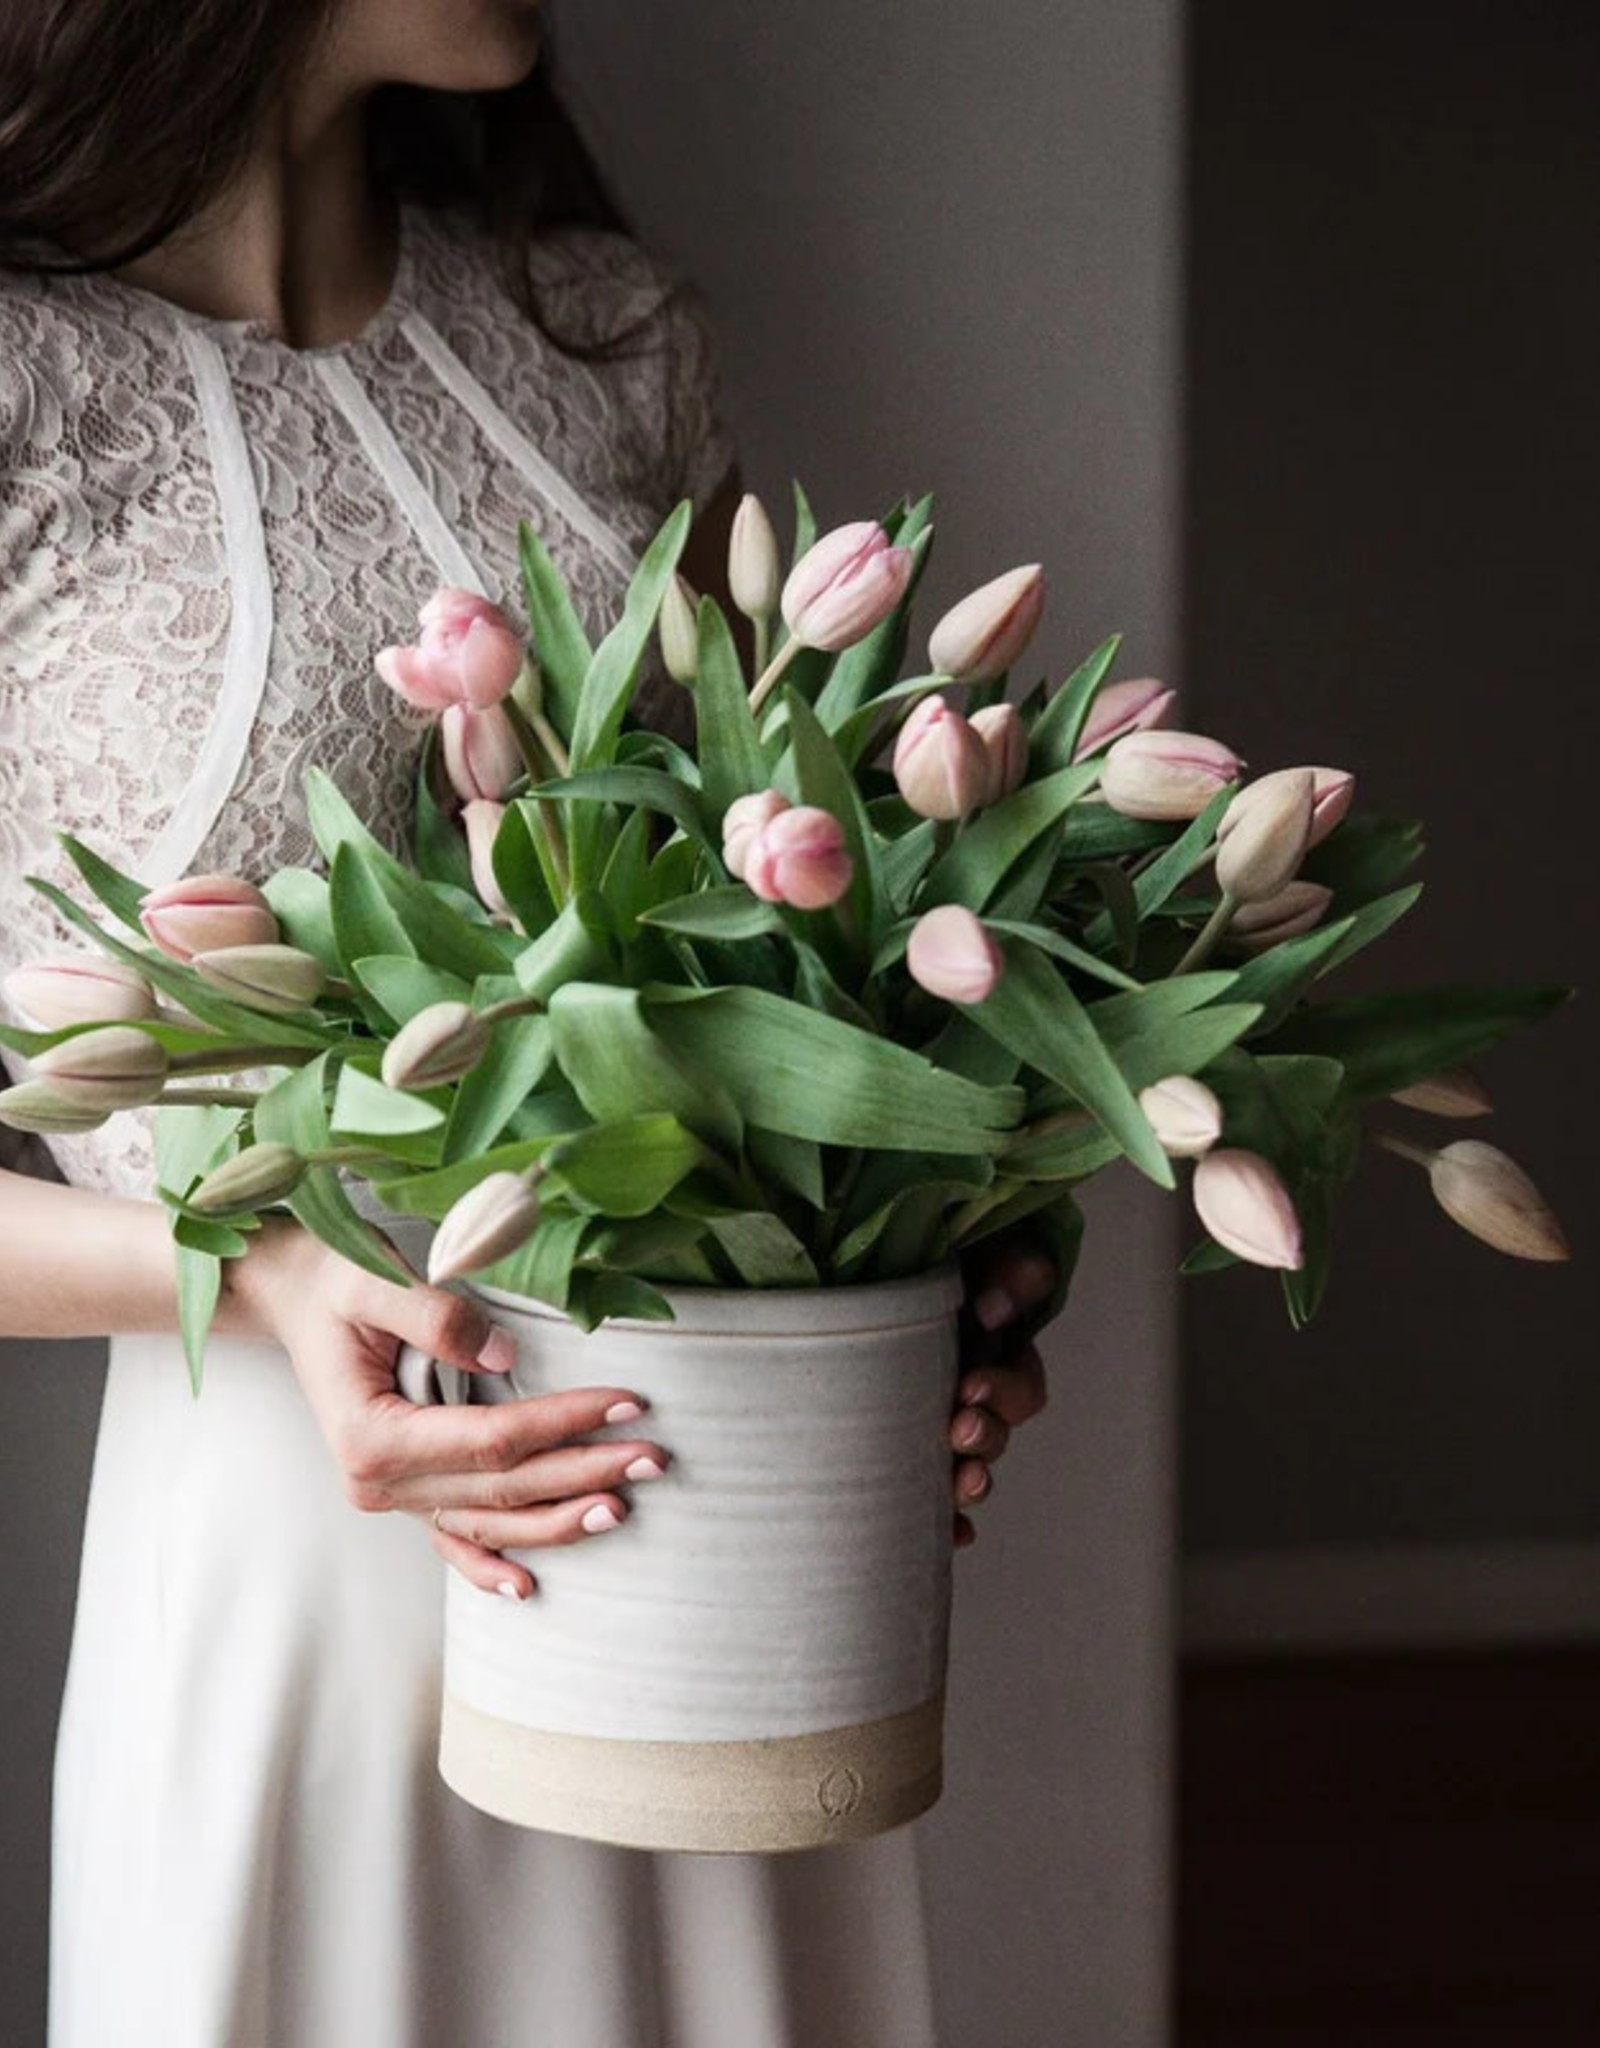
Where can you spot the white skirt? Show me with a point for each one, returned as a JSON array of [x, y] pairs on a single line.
[[252, 1844]]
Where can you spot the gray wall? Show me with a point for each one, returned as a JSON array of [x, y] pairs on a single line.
[[941, 246], [1393, 436], [941, 255]]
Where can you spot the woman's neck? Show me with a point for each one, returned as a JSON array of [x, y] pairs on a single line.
[[300, 239]]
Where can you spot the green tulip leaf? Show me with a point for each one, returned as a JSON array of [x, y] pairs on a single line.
[[1057, 731]]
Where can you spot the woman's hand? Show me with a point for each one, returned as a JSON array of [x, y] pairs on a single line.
[[503, 1477], [1004, 1281]]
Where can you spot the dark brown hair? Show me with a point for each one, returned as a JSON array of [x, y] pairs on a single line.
[[119, 119]]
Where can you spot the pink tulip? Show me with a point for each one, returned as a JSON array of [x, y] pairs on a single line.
[[1137, 706], [844, 585], [480, 818], [77, 988], [481, 755], [1332, 792], [799, 857], [979, 638], [940, 763], [202, 913], [1005, 741], [1166, 775], [1246, 1208], [468, 653], [742, 820], [1259, 852], [951, 955], [1293, 910]]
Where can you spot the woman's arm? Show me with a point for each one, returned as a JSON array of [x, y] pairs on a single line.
[[75, 1263]]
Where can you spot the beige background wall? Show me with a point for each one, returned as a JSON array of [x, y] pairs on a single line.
[[941, 245]]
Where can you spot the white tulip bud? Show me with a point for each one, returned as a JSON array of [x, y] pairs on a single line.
[[36, 1106], [269, 977], [679, 634], [1296, 908], [1455, 1092], [1259, 851], [488, 1222], [439, 1044], [1488, 1194], [755, 568], [115, 1068], [1184, 1114], [252, 1179]]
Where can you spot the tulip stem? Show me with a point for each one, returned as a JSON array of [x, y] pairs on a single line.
[[513, 1006], [1420, 1155], [1215, 925], [767, 681], [345, 1155], [763, 636], [230, 1059], [222, 1098]]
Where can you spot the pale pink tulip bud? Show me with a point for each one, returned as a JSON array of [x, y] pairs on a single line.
[[36, 1106], [1332, 791], [439, 1044], [844, 585], [1455, 1092], [951, 955], [468, 653], [202, 912], [1295, 909], [272, 977], [679, 633], [755, 568], [481, 755], [1259, 852], [799, 857], [1166, 775], [1184, 1114], [252, 1179], [1490, 1195], [487, 1223], [77, 988], [1246, 1208], [1137, 706], [742, 820], [481, 821], [940, 762], [979, 638], [1005, 741], [117, 1068]]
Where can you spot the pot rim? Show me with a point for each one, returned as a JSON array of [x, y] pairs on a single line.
[[930, 1296]]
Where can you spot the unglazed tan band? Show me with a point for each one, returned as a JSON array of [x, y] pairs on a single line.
[[790, 1792]]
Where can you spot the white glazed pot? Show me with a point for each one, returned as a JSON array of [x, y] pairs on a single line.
[[755, 1659]]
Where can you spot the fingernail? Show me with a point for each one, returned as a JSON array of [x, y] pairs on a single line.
[[499, 1353], [969, 1429], [993, 1307], [623, 1411], [976, 1394], [644, 1468], [600, 1517], [509, 1588]]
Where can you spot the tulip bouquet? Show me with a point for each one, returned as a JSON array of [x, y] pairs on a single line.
[[879, 966]]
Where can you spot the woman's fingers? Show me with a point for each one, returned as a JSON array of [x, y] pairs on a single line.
[[388, 1440], [1015, 1389], [978, 1433], [482, 1568], [1006, 1279], [567, 1521], [973, 1481], [450, 1327], [547, 1475], [966, 1533]]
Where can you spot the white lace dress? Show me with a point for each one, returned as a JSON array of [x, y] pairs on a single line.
[[204, 535]]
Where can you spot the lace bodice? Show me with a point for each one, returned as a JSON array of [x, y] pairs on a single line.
[[206, 534]]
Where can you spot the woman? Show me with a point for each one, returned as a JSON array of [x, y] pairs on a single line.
[[303, 304]]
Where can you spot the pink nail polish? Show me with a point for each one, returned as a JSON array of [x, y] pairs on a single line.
[[499, 1353], [643, 1468], [993, 1307], [623, 1411], [600, 1518], [508, 1588]]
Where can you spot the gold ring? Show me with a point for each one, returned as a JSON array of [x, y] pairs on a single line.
[[436, 1522]]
